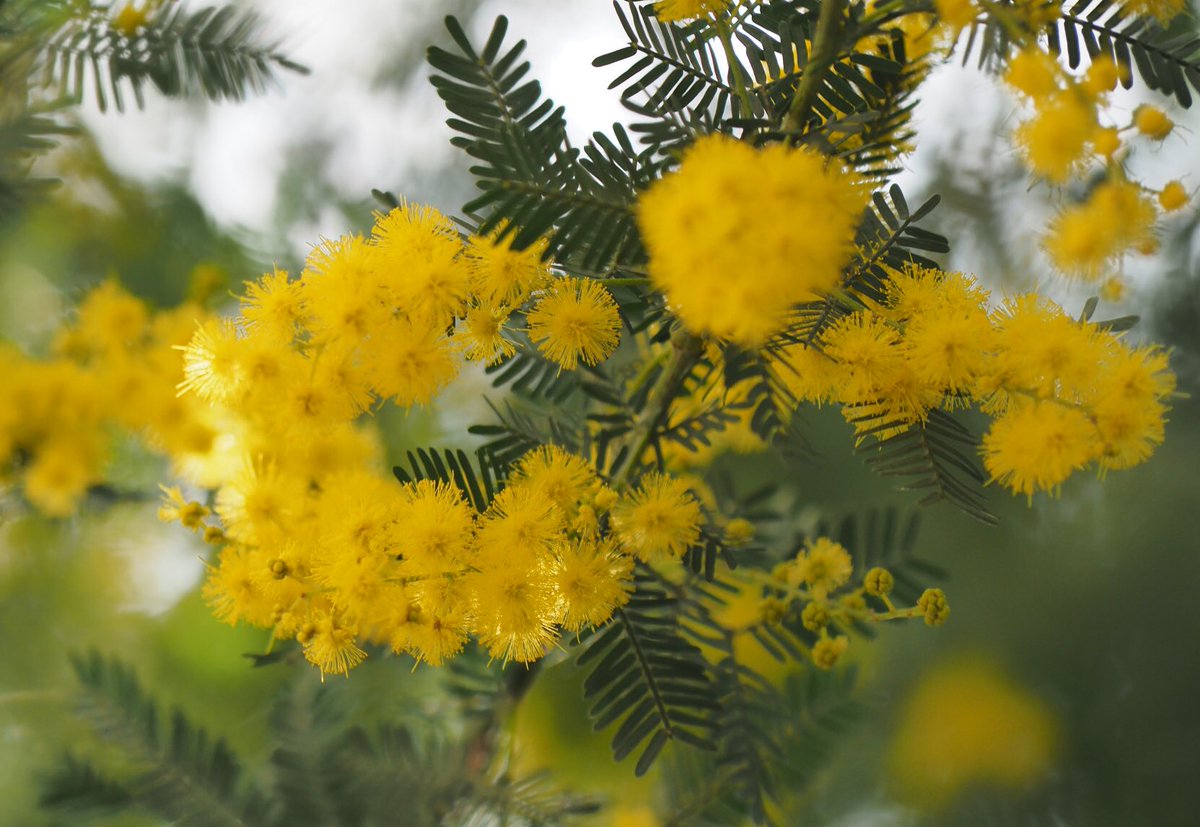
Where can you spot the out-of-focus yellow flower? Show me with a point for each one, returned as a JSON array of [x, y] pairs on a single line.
[[967, 724]]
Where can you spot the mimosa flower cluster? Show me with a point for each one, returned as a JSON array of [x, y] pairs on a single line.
[[1073, 131], [111, 369], [814, 590], [1064, 394], [320, 545], [801, 207], [414, 568]]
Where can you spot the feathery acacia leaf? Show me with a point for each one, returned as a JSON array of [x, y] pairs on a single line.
[[216, 52], [649, 678], [533, 182]]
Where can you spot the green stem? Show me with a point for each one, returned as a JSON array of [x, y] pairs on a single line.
[[725, 34], [824, 52], [686, 353]]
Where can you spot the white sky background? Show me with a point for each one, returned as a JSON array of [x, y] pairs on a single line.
[[232, 155]]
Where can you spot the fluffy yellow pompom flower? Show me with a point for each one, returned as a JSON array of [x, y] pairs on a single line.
[[1173, 196], [330, 646], [1034, 73], [210, 362], [823, 566], [1085, 238], [1163, 10], [593, 580], [438, 529], [576, 321], [868, 348], [738, 235], [956, 14], [1106, 140], [1103, 75], [480, 335], [273, 303], [1055, 138], [338, 298], [558, 475], [516, 608], [968, 725], [1037, 445], [660, 519], [408, 362], [418, 263], [1152, 122], [501, 275], [60, 474], [671, 11]]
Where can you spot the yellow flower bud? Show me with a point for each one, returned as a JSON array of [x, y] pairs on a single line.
[[1106, 141], [934, 606], [772, 610], [826, 652], [878, 582], [815, 617], [130, 18], [1113, 289], [605, 499], [1102, 76], [738, 532], [1173, 196], [1152, 122]]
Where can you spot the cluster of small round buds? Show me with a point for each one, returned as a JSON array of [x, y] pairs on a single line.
[[815, 617], [306, 633], [772, 611], [738, 532], [933, 605], [279, 569], [1152, 122], [827, 651], [214, 536], [878, 582]]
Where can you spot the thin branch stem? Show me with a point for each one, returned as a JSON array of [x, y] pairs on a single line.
[[824, 52], [725, 35], [686, 353]]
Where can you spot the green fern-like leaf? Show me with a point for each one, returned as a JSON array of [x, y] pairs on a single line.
[[533, 182], [217, 53], [646, 676], [888, 539], [935, 457], [76, 785], [185, 777], [24, 134], [666, 68], [479, 482], [311, 783], [1167, 59]]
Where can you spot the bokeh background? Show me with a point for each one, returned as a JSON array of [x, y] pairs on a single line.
[[1062, 690]]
